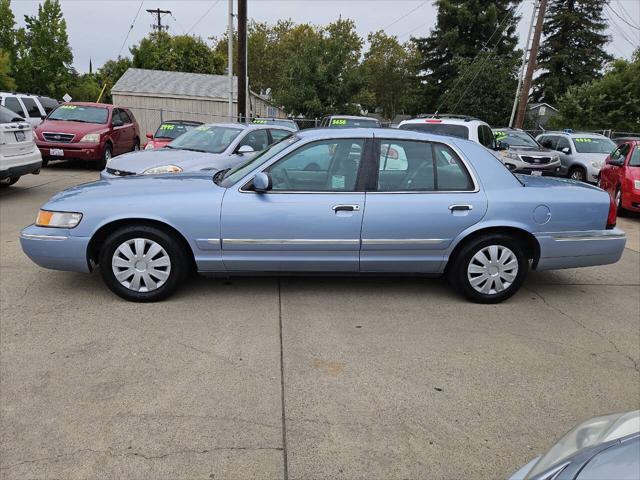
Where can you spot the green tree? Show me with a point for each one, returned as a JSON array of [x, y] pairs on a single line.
[[389, 70], [85, 88], [573, 49], [7, 46], [6, 80], [465, 28], [110, 73], [183, 53], [44, 56], [611, 101]]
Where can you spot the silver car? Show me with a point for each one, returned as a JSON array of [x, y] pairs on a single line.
[[214, 146], [606, 447], [524, 155], [582, 154]]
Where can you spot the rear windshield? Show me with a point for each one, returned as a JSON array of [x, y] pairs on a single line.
[[8, 116], [593, 145], [354, 122], [460, 131], [80, 113], [172, 130]]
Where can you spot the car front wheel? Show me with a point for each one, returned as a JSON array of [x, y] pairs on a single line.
[[578, 174], [143, 264], [107, 154], [490, 269], [618, 201]]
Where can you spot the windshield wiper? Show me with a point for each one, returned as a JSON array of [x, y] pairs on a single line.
[[219, 175]]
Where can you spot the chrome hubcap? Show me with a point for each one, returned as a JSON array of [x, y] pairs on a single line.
[[141, 265], [576, 175], [492, 270], [107, 154], [618, 198]]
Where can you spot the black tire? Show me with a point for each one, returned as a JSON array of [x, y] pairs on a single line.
[[107, 154], [179, 266], [136, 145], [458, 272], [7, 182], [45, 162], [578, 173], [620, 211]]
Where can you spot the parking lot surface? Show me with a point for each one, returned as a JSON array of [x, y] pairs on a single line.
[[300, 378]]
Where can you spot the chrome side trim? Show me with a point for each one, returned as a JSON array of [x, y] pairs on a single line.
[[402, 241], [287, 241], [33, 236], [587, 238], [213, 241], [586, 235]]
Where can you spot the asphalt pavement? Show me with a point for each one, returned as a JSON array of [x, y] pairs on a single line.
[[300, 378]]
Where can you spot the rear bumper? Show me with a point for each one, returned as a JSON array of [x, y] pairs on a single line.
[[55, 248], [580, 249], [90, 151], [22, 165]]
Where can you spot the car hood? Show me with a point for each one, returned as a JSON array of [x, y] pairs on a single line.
[[531, 150], [78, 128], [138, 162], [119, 189]]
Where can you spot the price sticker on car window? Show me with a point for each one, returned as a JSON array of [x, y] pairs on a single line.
[[582, 140], [68, 107], [337, 182], [500, 135], [167, 127], [338, 121], [261, 122]]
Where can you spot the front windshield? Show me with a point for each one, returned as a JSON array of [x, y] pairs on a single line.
[[354, 122], [172, 130], [206, 138], [593, 145], [80, 113], [515, 139], [239, 171], [634, 161]]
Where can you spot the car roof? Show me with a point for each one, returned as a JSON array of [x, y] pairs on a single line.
[[353, 117], [574, 134], [93, 104], [384, 133], [249, 126], [445, 120], [185, 122]]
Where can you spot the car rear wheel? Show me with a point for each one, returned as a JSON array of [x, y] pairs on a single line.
[[489, 269], [143, 264], [7, 182], [578, 173]]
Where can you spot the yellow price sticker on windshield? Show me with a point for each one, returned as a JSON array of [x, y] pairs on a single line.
[[260, 121], [500, 135], [582, 140], [167, 127], [68, 107], [338, 121]]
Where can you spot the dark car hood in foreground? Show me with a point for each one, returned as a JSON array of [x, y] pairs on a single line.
[[138, 162]]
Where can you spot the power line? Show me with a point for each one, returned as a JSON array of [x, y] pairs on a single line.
[[405, 15], [622, 18], [203, 16], [130, 28], [620, 30]]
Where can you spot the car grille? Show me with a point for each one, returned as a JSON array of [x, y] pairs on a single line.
[[58, 137], [536, 160], [119, 173]]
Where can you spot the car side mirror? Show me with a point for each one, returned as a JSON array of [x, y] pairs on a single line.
[[245, 149], [566, 150], [262, 182], [42, 117], [150, 136]]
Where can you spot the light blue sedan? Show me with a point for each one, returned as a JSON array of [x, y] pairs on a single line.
[[348, 201]]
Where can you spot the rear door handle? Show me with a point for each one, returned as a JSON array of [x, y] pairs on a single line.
[[459, 208], [345, 208]]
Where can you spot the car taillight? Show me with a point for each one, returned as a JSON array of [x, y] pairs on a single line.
[[613, 214], [433, 121]]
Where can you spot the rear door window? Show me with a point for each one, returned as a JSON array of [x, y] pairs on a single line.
[[32, 109], [14, 105]]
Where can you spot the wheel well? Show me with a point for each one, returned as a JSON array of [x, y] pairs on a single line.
[[98, 238], [528, 242], [577, 166]]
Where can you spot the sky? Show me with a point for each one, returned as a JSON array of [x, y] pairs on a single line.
[[98, 28]]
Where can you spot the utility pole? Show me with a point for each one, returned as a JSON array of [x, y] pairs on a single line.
[[242, 60], [230, 59], [531, 65], [158, 14], [525, 55]]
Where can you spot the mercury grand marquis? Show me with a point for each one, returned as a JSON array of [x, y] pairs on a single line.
[[341, 201]]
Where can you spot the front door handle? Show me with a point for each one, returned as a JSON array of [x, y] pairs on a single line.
[[460, 208], [345, 208]]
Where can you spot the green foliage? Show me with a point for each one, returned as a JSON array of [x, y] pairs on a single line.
[[110, 73], [389, 72], [573, 49], [183, 53], [464, 29], [6, 80], [7, 24], [44, 58], [85, 88], [610, 102]]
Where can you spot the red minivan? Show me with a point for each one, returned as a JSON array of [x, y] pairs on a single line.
[[87, 131], [620, 176]]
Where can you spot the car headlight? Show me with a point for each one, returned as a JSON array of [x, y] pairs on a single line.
[[510, 155], [149, 146], [91, 138], [162, 169], [597, 164], [636, 184], [47, 218], [587, 434]]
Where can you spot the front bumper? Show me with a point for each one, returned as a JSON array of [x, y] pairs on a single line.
[[580, 249], [631, 200], [55, 248], [76, 151], [27, 164]]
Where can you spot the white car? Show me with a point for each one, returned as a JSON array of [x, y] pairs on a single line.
[[460, 126], [32, 108], [19, 154]]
